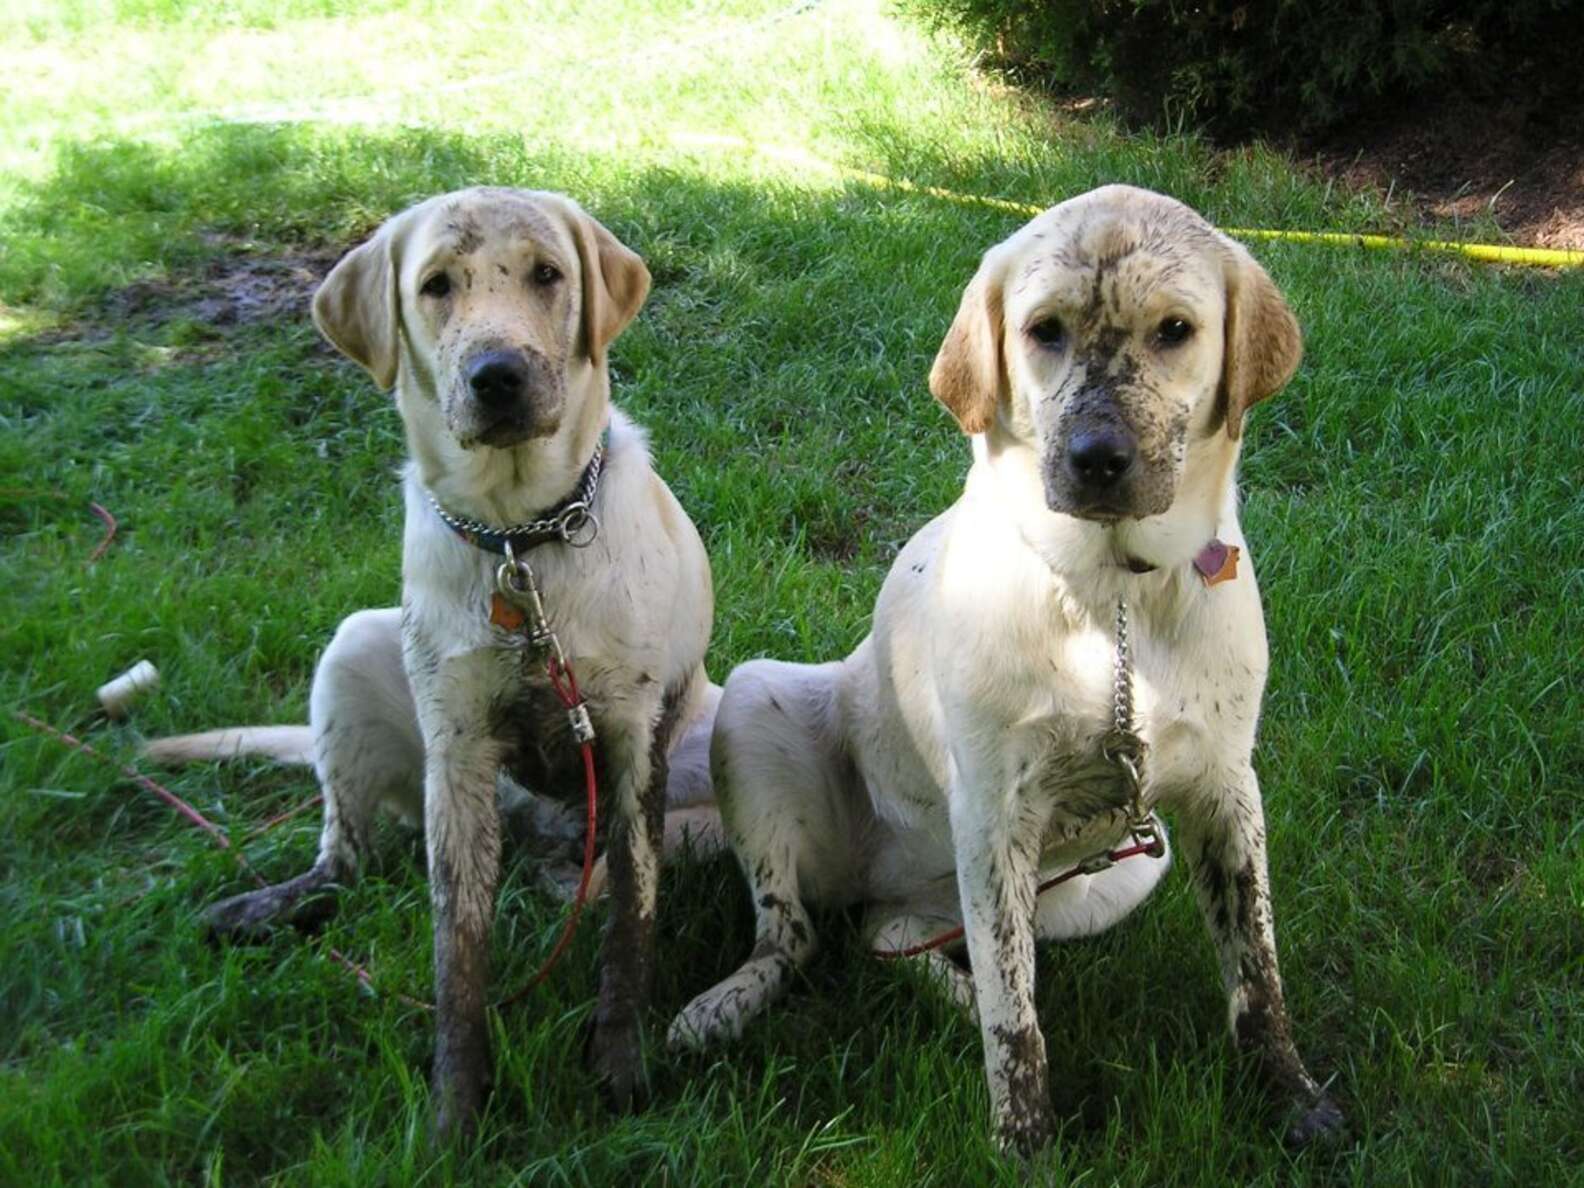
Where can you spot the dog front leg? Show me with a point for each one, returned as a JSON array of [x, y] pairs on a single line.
[[463, 832], [1225, 845], [997, 861], [627, 957]]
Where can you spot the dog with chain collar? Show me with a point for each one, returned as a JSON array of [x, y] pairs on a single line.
[[490, 311], [1086, 585]]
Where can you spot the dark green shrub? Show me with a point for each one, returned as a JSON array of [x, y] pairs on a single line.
[[1243, 65]]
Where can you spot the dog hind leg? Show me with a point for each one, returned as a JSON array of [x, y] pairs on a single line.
[[786, 803], [367, 753]]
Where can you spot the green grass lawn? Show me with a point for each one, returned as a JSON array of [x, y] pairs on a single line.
[[172, 178]]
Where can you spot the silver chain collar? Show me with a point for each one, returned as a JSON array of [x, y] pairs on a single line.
[[573, 522]]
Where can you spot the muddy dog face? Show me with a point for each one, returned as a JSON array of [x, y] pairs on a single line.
[[1110, 333], [483, 304]]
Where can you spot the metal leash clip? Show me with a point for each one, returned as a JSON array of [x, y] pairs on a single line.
[[514, 579]]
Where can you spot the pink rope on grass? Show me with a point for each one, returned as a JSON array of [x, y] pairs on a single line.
[[110, 532], [209, 827], [164, 793], [312, 802]]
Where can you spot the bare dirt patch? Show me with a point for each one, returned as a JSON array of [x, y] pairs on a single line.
[[1458, 157], [237, 287]]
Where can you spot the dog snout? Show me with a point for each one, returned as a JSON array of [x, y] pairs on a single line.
[[498, 379], [1101, 458]]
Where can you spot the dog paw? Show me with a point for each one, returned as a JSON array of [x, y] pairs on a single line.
[[304, 903], [1318, 1121], [1025, 1134], [460, 1084], [615, 1056], [710, 1019], [455, 1117], [243, 917]]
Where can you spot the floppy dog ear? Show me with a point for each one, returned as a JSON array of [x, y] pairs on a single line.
[[1263, 342], [969, 374], [356, 306], [615, 283]]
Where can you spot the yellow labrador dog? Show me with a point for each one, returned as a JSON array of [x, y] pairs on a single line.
[[981, 738], [490, 312]]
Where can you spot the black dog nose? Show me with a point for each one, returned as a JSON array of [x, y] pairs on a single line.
[[498, 378], [1100, 457]]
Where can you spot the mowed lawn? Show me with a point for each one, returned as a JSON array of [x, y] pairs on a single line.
[[174, 178]]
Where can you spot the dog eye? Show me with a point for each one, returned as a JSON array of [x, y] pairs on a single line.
[[546, 274], [437, 285], [1048, 332], [1174, 332]]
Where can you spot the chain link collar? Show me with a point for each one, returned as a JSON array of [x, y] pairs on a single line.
[[1123, 746], [572, 520]]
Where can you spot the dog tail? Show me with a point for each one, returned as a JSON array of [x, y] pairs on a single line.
[[284, 744]]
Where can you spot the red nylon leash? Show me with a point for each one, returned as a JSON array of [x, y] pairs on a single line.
[[570, 697], [946, 938]]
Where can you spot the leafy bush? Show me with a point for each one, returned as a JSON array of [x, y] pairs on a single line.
[[1269, 64]]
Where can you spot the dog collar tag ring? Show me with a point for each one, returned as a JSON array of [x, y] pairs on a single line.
[[509, 601], [579, 525]]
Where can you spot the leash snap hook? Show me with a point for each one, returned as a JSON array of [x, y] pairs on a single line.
[[512, 582], [1146, 832], [514, 579]]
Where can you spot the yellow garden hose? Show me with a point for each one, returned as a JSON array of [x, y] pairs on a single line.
[[1495, 253], [1490, 252]]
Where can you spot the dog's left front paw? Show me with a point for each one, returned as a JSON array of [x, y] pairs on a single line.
[[1024, 1136], [615, 1056], [1319, 1121]]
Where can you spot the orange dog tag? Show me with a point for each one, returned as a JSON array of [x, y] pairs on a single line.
[[1217, 563], [506, 614]]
